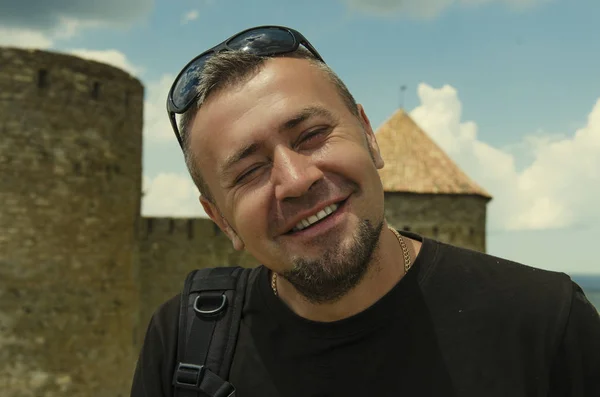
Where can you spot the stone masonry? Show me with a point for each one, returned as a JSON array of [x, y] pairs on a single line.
[[70, 181], [456, 220]]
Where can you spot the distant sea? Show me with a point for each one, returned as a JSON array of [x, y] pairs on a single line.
[[590, 285]]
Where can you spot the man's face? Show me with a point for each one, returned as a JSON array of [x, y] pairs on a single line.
[[280, 151]]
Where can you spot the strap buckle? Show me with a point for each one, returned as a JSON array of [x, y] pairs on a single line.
[[188, 376]]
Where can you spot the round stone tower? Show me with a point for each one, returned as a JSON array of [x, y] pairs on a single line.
[[70, 183], [425, 191]]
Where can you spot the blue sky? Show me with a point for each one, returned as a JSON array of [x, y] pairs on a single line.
[[509, 88]]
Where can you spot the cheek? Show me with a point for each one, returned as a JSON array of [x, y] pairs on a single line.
[[250, 214], [352, 160], [355, 164]]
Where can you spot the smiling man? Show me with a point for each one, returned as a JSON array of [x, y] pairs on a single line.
[[343, 305]]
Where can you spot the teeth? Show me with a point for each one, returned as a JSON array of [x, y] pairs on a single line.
[[304, 223]]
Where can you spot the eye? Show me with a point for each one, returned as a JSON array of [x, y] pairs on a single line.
[[312, 136], [246, 174]]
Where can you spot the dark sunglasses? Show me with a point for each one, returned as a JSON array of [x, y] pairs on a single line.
[[260, 40]]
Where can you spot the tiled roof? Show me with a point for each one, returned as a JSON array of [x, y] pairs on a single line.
[[415, 164]]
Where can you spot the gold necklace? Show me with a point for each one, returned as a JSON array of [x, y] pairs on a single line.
[[405, 252], [274, 282]]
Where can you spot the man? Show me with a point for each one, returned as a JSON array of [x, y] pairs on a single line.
[[286, 163]]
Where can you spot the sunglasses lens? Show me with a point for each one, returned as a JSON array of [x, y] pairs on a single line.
[[263, 41], [185, 88]]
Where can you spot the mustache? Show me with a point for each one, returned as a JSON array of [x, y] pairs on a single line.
[[319, 193]]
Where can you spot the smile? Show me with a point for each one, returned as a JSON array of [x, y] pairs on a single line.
[[324, 213]]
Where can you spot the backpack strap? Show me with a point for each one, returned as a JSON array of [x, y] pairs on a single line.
[[209, 320]]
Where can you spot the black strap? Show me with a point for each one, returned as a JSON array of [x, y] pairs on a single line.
[[211, 308]]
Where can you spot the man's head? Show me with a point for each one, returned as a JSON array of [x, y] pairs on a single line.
[[287, 163], [230, 68]]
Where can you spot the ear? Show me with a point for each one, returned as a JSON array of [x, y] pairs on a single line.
[[217, 217], [371, 140]]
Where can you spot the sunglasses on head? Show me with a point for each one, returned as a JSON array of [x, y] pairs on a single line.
[[261, 40]]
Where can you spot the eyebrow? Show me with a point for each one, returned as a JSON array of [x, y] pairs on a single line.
[[305, 114], [300, 117], [238, 156]]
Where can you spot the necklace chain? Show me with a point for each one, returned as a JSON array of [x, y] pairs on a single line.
[[405, 252]]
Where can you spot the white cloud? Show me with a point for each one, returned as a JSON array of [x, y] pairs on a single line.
[[427, 9], [69, 27], [189, 16], [171, 194], [111, 57], [35, 38], [558, 188], [24, 38], [40, 24], [157, 127]]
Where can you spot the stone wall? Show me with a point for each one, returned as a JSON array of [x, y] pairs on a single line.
[[70, 182], [454, 219], [172, 247]]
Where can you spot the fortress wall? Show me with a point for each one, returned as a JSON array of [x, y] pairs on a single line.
[[454, 219], [172, 247], [70, 182]]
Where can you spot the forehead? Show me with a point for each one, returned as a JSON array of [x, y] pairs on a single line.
[[257, 106]]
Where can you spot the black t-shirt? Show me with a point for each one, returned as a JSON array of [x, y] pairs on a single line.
[[459, 323]]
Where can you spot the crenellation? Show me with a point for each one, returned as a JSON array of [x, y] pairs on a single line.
[[185, 228]]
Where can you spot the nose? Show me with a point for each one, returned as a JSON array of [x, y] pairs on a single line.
[[293, 173]]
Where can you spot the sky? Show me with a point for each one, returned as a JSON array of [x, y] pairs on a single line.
[[510, 89]]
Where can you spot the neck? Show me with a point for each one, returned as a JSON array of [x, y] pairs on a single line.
[[386, 269]]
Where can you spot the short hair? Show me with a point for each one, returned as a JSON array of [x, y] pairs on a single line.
[[227, 69]]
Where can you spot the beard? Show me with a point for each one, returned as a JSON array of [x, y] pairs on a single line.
[[339, 269]]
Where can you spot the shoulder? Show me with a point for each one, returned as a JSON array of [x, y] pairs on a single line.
[[476, 279], [157, 355], [162, 329], [496, 273]]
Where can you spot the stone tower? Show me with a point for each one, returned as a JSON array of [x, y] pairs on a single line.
[[70, 183], [425, 191]]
